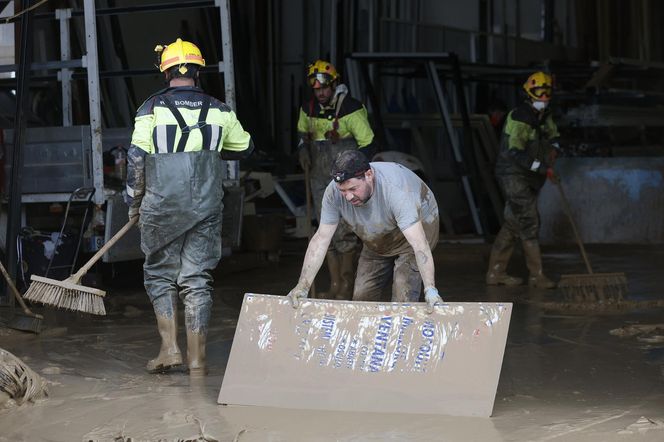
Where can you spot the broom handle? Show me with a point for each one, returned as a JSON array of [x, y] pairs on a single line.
[[568, 212], [83, 270], [15, 291]]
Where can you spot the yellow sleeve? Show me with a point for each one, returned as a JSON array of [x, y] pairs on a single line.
[[518, 134], [303, 123], [142, 135], [235, 138], [358, 125]]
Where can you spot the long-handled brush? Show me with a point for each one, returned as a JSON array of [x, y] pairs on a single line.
[[27, 321], [591, 286], [69, 294]]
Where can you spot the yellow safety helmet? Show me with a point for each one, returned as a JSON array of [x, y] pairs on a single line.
[[321, 73], [539, 86], [179, 53]]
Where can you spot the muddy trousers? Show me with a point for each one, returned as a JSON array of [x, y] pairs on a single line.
[[521, 222], [521, 216], [183, 267], [375, 272]]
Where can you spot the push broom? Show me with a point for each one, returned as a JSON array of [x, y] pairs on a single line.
[[69, 294], [591, 286]]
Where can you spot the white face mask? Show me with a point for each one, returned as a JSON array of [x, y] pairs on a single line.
[[540, 105]]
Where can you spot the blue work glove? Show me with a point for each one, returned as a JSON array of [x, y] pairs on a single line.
[[432, 298], [298, 293]]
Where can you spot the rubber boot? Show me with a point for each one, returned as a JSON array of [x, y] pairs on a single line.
[[334, 268], [500, 257], [196, 353], [169, 353], [347, 280], [536, 279]]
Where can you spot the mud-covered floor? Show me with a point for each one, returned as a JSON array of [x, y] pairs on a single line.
[[566, 376]]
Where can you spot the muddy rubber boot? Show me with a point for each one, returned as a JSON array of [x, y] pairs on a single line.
[[536, 279], [500, 257], [169, 353], [347, 280], [196, 353], [334, 268]]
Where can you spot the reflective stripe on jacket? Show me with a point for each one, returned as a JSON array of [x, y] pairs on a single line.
[[156, 129], [317, 121], [156, 132]]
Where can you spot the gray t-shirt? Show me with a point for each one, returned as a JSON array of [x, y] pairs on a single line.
[[400, 199]]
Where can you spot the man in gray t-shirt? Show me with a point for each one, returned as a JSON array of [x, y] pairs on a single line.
[[395, 215]]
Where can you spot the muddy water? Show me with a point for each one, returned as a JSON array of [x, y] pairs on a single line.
[[565, 377]]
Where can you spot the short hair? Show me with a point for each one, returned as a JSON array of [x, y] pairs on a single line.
[[174, 71], [349, 164]]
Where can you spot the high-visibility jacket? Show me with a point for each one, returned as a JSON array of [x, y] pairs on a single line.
[[527, 142], [350, 120], [174, 168], [157, 129]]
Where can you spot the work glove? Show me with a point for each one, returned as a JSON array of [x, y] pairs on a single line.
[[432, 298], [133, 212], [297, 294], [304, 157], [551, 175]]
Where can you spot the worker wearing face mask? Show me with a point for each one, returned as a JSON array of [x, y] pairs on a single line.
[[528, 150]]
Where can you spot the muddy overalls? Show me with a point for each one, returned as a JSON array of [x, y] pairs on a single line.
[[174, 181], [526, 153]]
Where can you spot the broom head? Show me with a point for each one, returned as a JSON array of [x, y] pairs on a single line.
[[66, 294], [594, 287]]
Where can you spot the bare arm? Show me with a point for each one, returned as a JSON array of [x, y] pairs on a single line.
[[315, 255], [418, 241]]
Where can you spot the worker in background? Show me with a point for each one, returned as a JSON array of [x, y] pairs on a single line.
[[395, 215], [329, 123], [528, 150], [174, 182]]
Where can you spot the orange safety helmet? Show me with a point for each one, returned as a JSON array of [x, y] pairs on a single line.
[[179, 53], [539, 86], [321, 73]]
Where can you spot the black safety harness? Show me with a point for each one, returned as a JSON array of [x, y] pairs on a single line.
[[186, 130]]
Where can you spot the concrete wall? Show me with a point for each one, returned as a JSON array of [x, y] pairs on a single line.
[[613, 200]]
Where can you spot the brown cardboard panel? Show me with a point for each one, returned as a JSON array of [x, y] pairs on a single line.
[[365, 356]]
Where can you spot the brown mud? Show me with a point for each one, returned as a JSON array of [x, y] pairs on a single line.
[[565, 377]]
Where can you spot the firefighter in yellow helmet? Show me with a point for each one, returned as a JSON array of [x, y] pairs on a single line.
[[174, 186], [528, 151], [331, 122]]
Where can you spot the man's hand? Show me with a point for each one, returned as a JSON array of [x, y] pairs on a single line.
[[304, 158], [432, 298], [297, 294], [133, 213]]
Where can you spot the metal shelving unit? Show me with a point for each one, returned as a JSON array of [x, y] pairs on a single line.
[[80, 148]]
